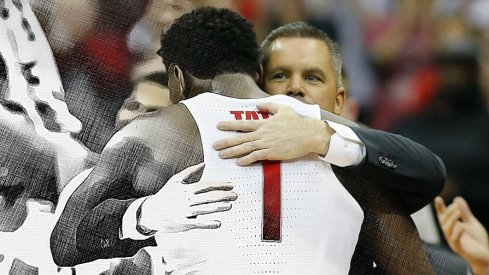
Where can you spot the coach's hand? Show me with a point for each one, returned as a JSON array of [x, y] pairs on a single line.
[[284, 136], [182, 204]]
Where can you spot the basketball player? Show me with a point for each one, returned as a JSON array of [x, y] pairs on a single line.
[[125, 200]]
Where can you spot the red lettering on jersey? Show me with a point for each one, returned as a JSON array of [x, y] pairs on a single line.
[[237, 114], [251, 115], [264, 115]]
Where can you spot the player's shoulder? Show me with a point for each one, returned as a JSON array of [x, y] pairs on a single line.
[[160, 125]]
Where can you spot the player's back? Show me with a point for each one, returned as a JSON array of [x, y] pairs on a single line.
[[318, 221]]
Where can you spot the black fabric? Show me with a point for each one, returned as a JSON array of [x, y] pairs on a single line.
[[402, 165], [444, 261], [388, 236]]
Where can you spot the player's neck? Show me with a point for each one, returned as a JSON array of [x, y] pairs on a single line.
[[237, 86]]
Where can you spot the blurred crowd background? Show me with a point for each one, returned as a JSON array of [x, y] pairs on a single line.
[[419, 68]]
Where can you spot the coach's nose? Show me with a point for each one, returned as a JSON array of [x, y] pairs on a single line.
[[295, 87]]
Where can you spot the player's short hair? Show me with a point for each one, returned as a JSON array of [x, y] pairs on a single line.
[[302, 30], [209, 41]]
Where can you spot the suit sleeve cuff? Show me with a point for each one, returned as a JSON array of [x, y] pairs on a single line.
[[129, 222], [345, 147]]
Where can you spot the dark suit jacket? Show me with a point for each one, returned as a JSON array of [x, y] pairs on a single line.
[[89, 227], [400, 164]]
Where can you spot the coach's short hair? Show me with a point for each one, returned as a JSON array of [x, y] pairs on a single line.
[[209, 41], [303, 30]]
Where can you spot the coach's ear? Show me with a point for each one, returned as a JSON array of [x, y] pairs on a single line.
[[259, 77], [176, 83]]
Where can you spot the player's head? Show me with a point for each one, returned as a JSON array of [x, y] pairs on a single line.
[[208, 42], [302, 61]]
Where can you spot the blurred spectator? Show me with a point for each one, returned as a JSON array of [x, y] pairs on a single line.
[[477, 18], [280, 12], [63, 24], [347, 19], [484, 72], [96, 70], [144, 38], [255, 12], [150, 94], [399, 43], [455, 124]]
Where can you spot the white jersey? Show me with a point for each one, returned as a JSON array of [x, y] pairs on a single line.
[[320, 220]]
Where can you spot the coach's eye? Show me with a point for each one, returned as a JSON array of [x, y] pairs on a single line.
[[313, 78], [278, 76], [13, 107]]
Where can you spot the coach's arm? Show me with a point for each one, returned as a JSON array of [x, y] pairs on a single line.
[[408, 168]]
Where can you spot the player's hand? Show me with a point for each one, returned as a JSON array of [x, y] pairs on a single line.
[[182, 204], [464, 233], [284, 136]]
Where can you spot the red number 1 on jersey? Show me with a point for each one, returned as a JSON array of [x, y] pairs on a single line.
[[272, 222]]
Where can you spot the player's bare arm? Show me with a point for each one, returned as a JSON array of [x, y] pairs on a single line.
[[137, 162]]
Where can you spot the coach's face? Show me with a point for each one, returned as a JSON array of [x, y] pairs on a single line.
[[302, 68]]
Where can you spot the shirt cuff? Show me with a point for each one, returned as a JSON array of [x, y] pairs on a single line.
[[345, 147], [129, 222]]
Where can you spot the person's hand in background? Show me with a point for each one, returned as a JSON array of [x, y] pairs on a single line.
[[464, 233]]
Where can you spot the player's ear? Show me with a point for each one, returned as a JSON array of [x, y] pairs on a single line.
[[176, 83]]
